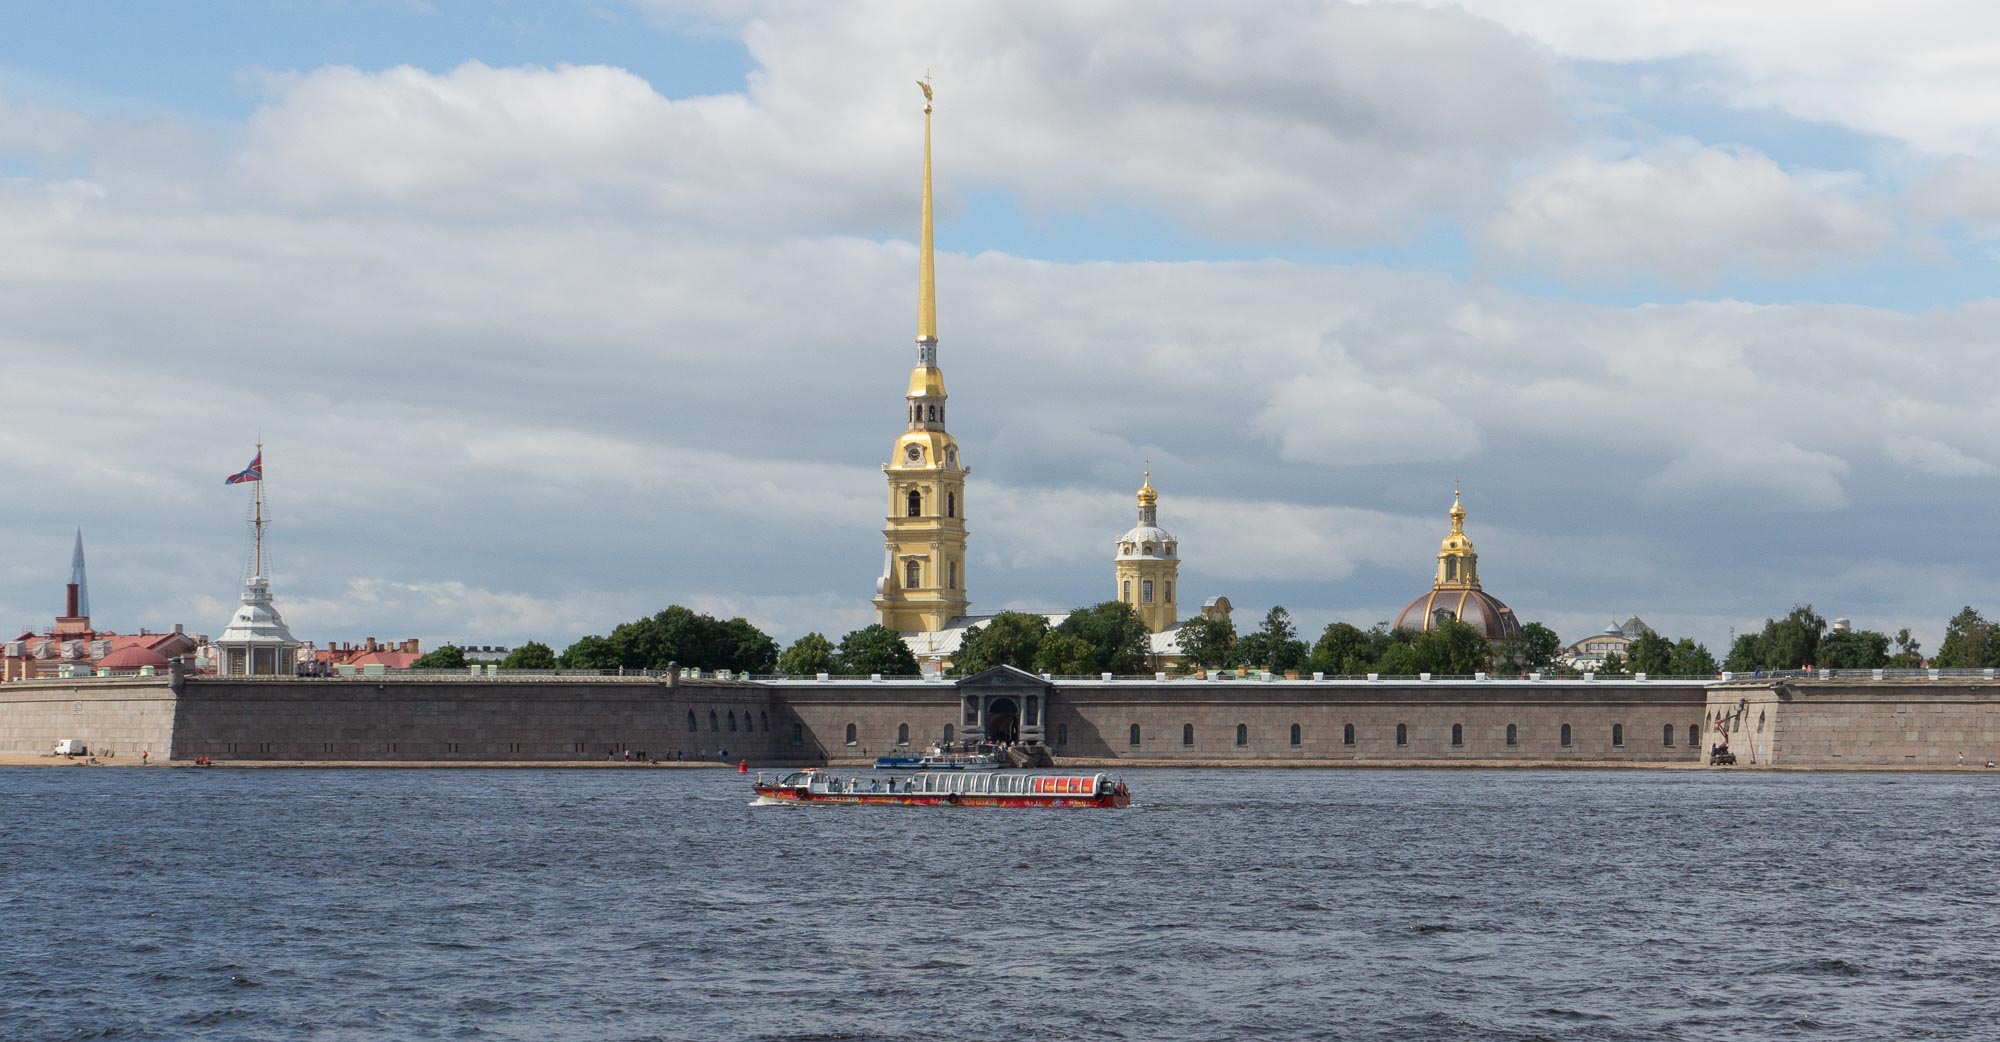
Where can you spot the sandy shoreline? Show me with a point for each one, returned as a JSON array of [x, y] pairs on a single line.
[[1063, 764]]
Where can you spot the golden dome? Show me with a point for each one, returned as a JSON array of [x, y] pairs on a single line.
[[1148, 497], [926, 381], [1457, 541]]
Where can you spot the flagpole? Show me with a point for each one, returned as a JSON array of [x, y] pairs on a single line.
[[257, 559]]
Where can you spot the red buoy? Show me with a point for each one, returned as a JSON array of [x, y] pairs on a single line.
[[743, 767]]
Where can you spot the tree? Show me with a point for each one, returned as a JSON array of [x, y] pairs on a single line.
[[1853, 649], [743, 647], [1692, 660], [1909, 651], [1533, 650], [1970, 642], [1208, 643], [1119, 642], [1452, 648], [1793, 641], [451, 656], [1011, 638], [1650, 653], [875, 649], [1063, 654], [590, 653], [532, 655], [1614, 665], [1339, 645], [1745, 654], [809, 655], [1276, 645]]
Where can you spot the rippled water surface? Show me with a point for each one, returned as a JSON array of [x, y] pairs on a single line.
[[643, 904]]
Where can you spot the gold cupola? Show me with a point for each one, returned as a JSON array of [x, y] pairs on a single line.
[[1455, 592], [1147, 563]]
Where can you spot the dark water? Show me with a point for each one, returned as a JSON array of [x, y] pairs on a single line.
[[384, 904]]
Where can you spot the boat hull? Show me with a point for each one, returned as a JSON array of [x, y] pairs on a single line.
[[780, 794]]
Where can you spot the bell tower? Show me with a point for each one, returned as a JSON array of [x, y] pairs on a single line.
[[922, 587], [1147, 563]]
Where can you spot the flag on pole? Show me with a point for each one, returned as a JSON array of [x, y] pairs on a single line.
[[253, 472]]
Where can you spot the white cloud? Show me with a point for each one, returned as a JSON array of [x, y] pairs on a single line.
[[1690, 216], [1935, 457], [1343, 420], [1759, 477], [1336, 121], [1926, 72]]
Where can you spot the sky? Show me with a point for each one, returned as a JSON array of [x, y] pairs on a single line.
[[550, 315]]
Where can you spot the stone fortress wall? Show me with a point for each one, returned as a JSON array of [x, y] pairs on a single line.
[[1820, 722], [1912, 721]]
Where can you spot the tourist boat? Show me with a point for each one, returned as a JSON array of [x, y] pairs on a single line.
[[947, 789], [939, 759]]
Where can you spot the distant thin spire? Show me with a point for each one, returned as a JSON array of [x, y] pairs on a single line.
[[76, 575], [927, 263]]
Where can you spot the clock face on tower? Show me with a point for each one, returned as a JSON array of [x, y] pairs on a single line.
[[915, 454]]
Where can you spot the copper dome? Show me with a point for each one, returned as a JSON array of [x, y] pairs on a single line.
[[1476, 608]]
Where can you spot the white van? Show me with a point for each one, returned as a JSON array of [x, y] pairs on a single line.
[[70, 747]]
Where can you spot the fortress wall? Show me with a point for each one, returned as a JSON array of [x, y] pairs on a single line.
[[816, 716], [1096, 720], [1831, 723], [117, 719], [391, 719]]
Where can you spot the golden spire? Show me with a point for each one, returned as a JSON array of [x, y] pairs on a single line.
[[1457, 512], [1147, 497], [927, 263]]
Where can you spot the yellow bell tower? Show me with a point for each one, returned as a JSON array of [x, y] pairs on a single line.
[[922, 587], [1147, 564]]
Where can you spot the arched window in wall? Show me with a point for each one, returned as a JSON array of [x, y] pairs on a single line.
[[1694, 734], [1565, 736], [1169, 598], [1295, 734], [1458, 734], [1146, 591], [853, 734], [692, 726], [951, 504], [1513, 735], [1242, 734], [1135, 734], [913, 574], [1125, 591], [1451, 567], [1347, 734], [732, 721], [947, 734], [1187, 734], [902, 734], [714, 722], [1402, 734], [1760, 721], [953, 566], [914, 503], [1617, 736], [1667, 736]]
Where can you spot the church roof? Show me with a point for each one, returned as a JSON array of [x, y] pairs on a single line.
[[1476, 608]]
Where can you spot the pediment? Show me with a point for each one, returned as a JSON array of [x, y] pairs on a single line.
[[1004, 677]]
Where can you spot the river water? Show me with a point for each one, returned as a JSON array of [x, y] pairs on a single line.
[[657, 904]]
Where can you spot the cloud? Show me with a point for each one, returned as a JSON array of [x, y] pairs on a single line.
[[1688, 216], [1343, 420], [1332, 122], [1766, 477], [1935, 457], [1922, 72]]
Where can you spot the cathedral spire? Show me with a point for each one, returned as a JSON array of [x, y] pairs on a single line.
[[927, 262], [78, 581]]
